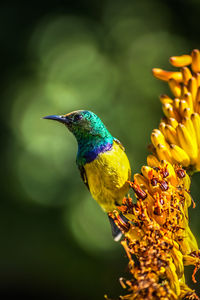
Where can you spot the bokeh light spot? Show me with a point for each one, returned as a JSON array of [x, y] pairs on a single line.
[[90, 227]]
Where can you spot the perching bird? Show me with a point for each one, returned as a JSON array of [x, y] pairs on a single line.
[[103, 164]]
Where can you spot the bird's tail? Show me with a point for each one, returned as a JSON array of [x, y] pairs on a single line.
[[116, 232]]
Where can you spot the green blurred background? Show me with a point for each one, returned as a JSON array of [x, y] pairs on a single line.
[[59, 56]]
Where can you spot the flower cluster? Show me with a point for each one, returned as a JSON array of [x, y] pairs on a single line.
[[158, 240], [178, 138]]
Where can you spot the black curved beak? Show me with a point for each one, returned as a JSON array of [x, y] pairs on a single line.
[[62, 119]]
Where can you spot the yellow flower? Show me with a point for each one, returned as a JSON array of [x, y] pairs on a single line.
[[158, 240], [157, 232], [178, 138]]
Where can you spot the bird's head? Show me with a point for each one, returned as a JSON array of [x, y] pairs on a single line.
[[82, 123]]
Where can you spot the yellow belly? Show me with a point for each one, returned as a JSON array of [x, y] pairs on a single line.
[[107, 177]]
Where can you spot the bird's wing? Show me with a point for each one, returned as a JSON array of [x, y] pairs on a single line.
[[83, 175], [119, 143]]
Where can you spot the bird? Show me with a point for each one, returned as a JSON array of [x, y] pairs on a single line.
[[103, 164]]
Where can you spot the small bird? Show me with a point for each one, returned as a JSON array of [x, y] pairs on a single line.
[[101, 159]]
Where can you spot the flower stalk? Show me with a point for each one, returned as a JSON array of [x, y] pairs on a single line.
[[158, 240]]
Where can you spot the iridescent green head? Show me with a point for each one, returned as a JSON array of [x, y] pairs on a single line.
[[91, 134]]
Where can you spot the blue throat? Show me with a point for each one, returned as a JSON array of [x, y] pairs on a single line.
[[89, 149]]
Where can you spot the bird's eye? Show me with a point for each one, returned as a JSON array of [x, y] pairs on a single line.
[[77, 117]]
